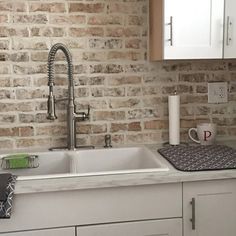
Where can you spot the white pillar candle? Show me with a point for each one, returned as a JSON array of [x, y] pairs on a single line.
[[174, 119]]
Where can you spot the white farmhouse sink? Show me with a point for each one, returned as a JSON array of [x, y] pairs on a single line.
[[115, 160], [92, 162]]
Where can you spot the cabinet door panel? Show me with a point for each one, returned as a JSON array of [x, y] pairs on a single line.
[[171, 227], [215, 208], [47, 232], [230, 29], [196, 30], [219, 205]]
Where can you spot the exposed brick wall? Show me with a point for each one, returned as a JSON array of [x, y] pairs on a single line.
[[127, 94]]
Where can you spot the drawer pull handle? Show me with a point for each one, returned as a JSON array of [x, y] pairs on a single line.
[[193, 219]]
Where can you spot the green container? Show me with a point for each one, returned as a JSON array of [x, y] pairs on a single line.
[[17, 161]]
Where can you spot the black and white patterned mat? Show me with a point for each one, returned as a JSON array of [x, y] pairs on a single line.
[[199, 158]]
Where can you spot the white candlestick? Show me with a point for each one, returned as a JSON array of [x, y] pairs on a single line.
[[174, 119]]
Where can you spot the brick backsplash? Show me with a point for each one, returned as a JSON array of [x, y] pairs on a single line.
[[127, 93]]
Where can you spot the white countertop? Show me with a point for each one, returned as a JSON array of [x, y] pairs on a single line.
[[74, 182], [67, 182]]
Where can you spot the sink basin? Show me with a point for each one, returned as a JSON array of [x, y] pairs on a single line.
[[115, 160], [50, 163], [91, 162]]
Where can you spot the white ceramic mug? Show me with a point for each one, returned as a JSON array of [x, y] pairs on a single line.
[[206, 133]]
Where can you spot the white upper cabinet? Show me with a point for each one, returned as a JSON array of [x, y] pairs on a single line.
[[230, 29], [193, 29], [186, 29]]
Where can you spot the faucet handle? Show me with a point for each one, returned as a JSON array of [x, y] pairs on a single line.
[[81, 116]]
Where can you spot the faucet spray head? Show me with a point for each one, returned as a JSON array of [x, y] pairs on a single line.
[[51, 107]]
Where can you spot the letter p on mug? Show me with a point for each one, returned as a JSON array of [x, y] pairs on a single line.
[[206, 133]]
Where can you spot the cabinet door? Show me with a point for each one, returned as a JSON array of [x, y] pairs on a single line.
[[230, 29], [193, 29], [171, 227], [214, 209], [47, 232]]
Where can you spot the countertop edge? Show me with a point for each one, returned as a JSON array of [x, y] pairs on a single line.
[[119, 180]]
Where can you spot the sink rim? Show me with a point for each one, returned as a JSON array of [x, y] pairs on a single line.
[[164, 166]]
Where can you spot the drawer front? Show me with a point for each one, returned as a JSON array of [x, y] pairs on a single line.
[[169, 227], [46, 232]]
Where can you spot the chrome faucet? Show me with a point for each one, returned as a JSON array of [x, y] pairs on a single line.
[[72, 115]]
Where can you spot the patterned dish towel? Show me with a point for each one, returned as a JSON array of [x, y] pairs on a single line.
[[6, 196]]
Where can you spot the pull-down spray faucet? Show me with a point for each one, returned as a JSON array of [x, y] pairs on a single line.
[[72, 115]]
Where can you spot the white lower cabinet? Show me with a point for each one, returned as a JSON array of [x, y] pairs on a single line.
[[45, 232], [167, 227], [209, 208], [200, 208]]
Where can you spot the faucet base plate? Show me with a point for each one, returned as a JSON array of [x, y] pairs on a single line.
[[66, 148]]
